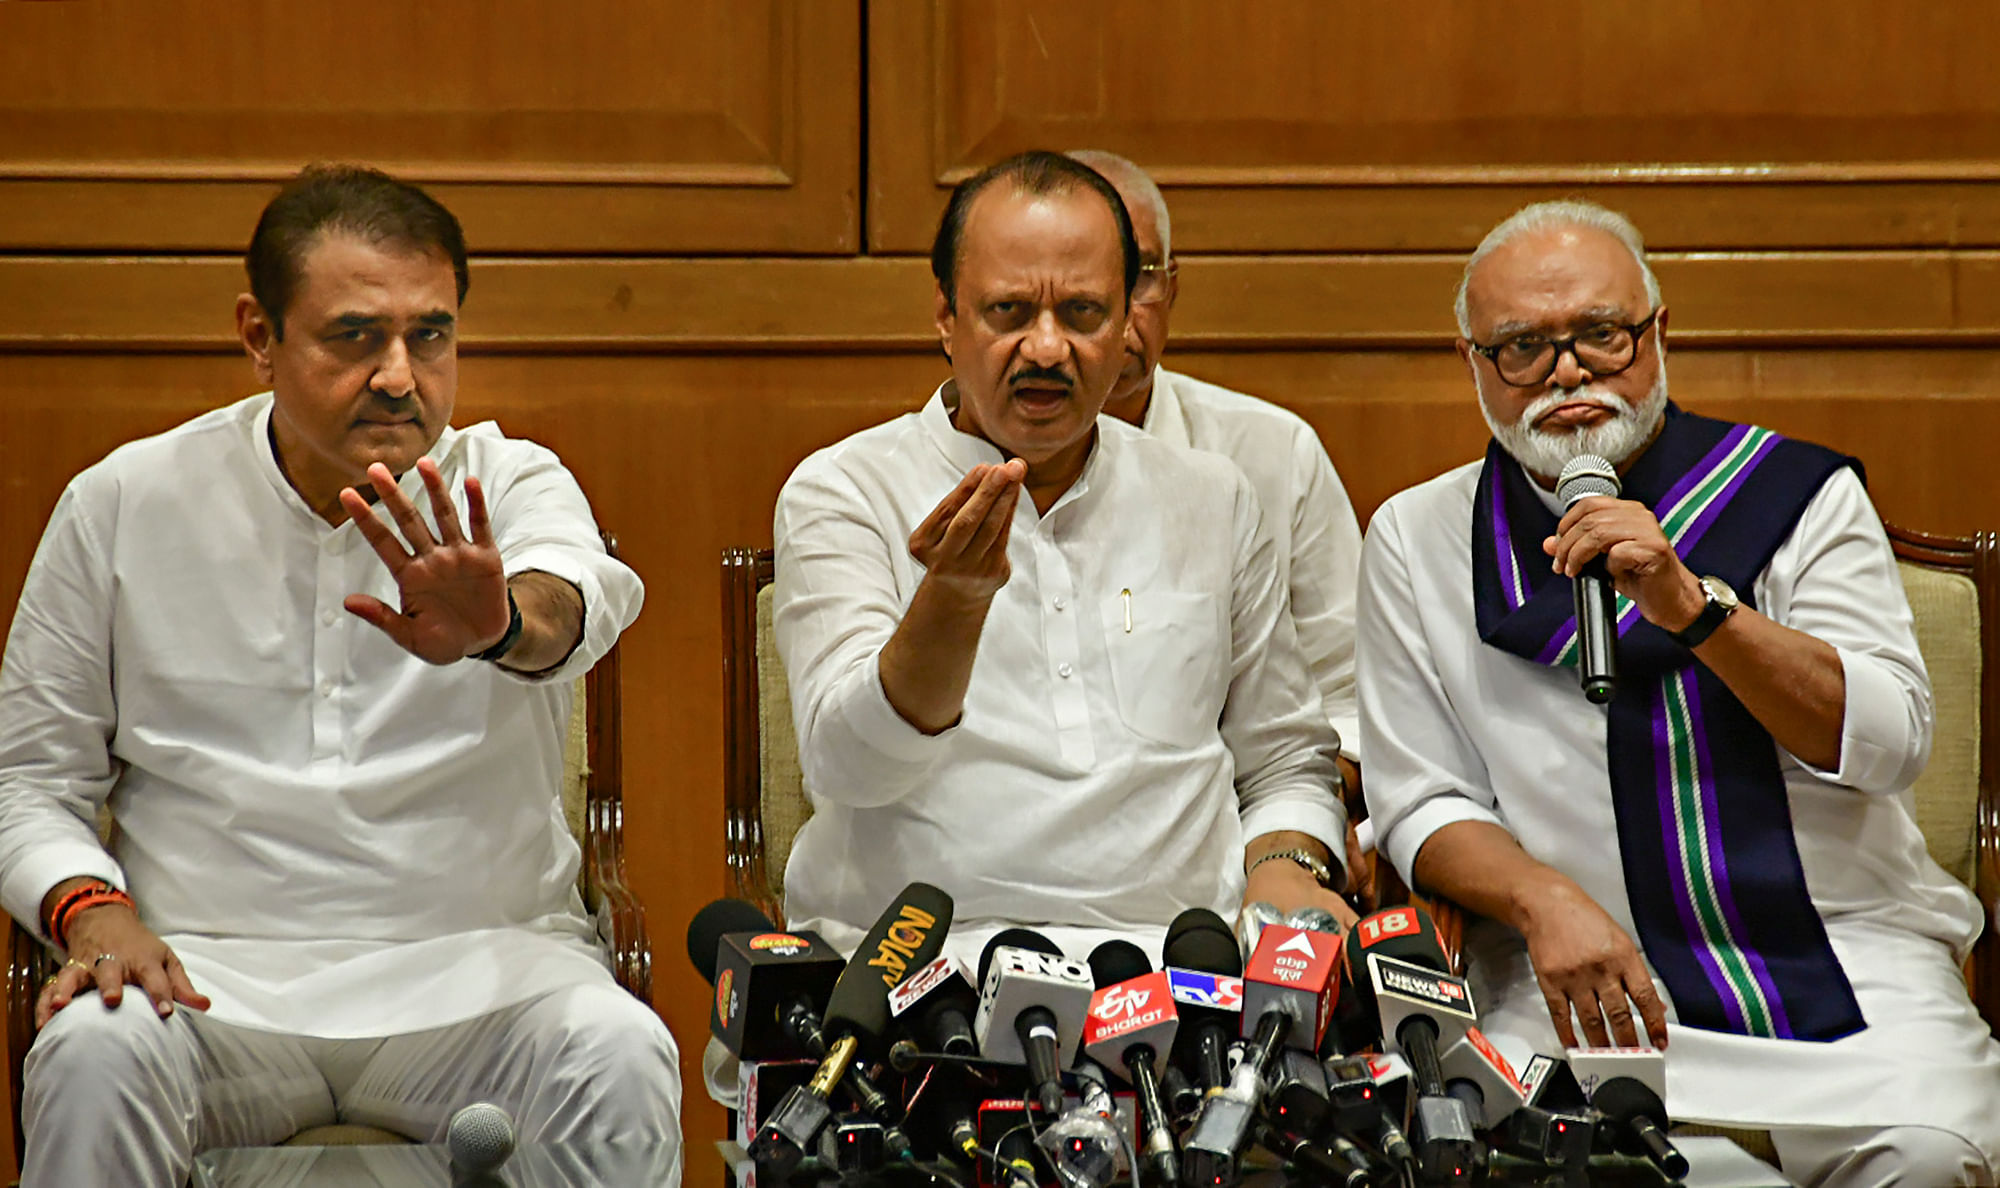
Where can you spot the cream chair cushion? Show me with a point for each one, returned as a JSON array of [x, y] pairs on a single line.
[[1946, 606], [782, 796]]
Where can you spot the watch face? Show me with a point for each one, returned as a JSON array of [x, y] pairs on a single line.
[[1721, 592]]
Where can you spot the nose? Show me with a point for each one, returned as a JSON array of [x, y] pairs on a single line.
[[1570, 371], [392, 370], [1043, 344]]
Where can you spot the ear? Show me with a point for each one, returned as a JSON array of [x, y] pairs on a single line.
[[258, 333], [1464, 349], [1660, 332], [946, 319]]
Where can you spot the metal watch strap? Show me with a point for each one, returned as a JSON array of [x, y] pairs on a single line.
[[1321, 873], [508, 640]]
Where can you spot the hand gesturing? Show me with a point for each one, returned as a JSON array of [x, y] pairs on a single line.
[[453, 589]]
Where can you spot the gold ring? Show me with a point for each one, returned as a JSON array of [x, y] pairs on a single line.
[[50, 980], [78, 964]]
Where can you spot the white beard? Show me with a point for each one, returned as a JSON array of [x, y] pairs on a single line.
[[1615, 441]]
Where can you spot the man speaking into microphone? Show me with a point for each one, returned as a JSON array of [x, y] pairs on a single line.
[[1722, 858], [1037, 657]]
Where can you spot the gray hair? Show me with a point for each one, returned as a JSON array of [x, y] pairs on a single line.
[[1547, 216], [1122, 173]]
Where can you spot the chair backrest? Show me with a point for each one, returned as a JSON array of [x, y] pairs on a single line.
[[1953, 584], [763, 787]]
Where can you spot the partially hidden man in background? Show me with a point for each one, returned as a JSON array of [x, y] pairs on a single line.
[[340, 885], [1037, 657], [1725, 857], [1315, 538]]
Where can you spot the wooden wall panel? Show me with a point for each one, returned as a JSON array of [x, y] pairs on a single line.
[[1308, 125], [633, 127]]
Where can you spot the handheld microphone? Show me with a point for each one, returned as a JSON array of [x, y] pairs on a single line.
[[935, 1004], [1638, 1121], [1476, 1073], [908, 935], [767, 981], [1596, 600], [1204, 968], [480, 1137], [1132, 1020], [1395, 964], [1250, 924], [1032, 1003]]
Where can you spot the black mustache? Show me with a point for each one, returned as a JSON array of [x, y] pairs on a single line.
[[1048, 375]]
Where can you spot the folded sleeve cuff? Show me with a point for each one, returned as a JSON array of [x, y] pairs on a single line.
[[1407, 837], [34, 875], [877, 724], [1877, 750], [611, 596]]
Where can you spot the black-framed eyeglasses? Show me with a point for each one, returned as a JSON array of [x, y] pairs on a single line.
[[1603, 350], [1154, 280]]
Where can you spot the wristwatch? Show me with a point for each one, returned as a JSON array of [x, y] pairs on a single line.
[[1722, 602], [1320, 872]]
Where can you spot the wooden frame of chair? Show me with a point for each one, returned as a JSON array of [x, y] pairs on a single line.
[[744, 573], [620, 917]]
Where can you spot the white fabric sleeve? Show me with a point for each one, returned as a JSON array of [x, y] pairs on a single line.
[[1326, 555], [835, 603], [1423, 771], [541, 521], [1835, 579], [1272, 722], [57, 716]]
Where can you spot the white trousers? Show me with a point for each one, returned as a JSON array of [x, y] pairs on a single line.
[[1884, 1157], [122, 1096]]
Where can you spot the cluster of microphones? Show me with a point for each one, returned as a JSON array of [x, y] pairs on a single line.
[[1335, 1059]]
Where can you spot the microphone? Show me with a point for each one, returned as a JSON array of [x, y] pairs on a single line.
[[935, 1005], [1083, 1144], [480, 1137], [1032, 1003], [1638, 1119], [1204, 968], [1476, 1073], [1250, 924], [1395, 963], [1596, 603], [1132, 1020], [767, 981], [1288, 989], [910, 934]]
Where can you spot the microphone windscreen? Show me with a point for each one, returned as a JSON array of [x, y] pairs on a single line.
[[909, 935], [479, 1137], [1015, 938], [1623, 1099], [1200, 939], [1406, 933], [1117, 961], [1586, 475], [717, 920]]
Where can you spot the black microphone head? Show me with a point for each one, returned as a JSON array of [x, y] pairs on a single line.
[[909, 935], [1117, 961], [1586, 475], [1622, 1099], [1015, 938], [717, 920], [1200, 939]]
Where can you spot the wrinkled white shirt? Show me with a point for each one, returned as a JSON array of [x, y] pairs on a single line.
[[1101, 778], [338, 839], [1457, 730], [1317, 540]]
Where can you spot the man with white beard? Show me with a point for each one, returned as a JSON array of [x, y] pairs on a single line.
[[1725, 857]]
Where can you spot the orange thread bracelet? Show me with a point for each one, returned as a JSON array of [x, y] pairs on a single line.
[[75, 893], [84, 904]]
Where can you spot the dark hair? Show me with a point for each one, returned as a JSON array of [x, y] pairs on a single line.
[[1036, 171], [351, 199]]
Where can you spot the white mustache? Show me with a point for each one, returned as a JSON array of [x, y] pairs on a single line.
[[1588, 394]]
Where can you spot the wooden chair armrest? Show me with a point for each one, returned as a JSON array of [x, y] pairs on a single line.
[[28, 963], [621, 918]]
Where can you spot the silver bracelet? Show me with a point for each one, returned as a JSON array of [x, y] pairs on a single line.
[[1321, 873]]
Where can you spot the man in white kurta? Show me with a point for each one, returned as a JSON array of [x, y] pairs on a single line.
[[1469, 743], [1036, 657], [355, 888], [1139, 708]]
